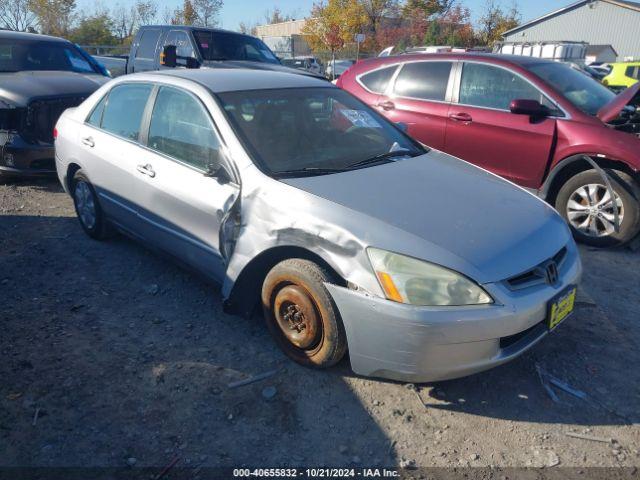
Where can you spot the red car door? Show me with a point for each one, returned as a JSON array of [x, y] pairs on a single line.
[[419, 99], [482, 130]]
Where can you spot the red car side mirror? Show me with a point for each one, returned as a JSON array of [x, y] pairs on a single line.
[[532, 108]]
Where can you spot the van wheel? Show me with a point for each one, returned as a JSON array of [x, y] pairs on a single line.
[[88, 209], [585, 203], [301, 314]]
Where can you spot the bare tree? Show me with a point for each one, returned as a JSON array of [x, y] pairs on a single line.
[[248, 28], [16, 15], [207, 12], [125, 20], [377, 10], [147, 11]]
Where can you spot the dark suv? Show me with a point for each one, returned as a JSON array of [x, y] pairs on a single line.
[[538, 123], [40, 77]]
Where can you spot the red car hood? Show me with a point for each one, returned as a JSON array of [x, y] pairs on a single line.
[[612, 109]]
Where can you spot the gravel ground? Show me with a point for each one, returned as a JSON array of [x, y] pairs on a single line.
[[113, 356]]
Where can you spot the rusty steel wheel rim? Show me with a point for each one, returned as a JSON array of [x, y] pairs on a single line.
[[297, 317]]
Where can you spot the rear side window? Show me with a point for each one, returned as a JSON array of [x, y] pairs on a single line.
[[492, 87], [124, 109], [147, 45], [95, 118], [378, 80], [181, 128], [182, 42], [423, 80]]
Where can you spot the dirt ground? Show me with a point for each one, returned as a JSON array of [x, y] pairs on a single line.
[[113, 356]]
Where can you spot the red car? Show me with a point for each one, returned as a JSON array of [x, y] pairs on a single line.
[[538, 123]]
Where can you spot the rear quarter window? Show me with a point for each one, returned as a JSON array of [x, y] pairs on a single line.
[[378, 80], [147, 45]]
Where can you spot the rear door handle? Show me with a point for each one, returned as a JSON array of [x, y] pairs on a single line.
[[388, 105], [461, 117], [146, 170], [88, 141]]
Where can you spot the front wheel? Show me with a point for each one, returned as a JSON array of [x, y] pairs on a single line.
[[301, 314], [589, 208]]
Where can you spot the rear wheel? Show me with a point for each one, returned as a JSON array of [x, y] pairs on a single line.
[[88, 209], [589, 208], [301, 314]]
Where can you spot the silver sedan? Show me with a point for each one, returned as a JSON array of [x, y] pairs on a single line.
[[299, 199]]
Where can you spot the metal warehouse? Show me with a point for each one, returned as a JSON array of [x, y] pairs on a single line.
[[597, 22]]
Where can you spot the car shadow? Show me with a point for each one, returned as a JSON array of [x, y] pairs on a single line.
[[129, 356]]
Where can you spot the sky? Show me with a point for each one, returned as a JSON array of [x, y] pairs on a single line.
[[253, 11]]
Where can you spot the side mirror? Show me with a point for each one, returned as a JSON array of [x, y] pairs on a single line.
[[216, 168], [169, 56], [192, 63], [533, 108], [402, 126]]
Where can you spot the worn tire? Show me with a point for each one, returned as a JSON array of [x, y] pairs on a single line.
[[100, 228], [317, 337], [627, 190]]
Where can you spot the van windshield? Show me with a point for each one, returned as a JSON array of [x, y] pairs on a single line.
[[215, 45], [585, 93]]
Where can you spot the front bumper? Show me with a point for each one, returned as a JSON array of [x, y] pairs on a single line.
[[426, 344], [20, 158]]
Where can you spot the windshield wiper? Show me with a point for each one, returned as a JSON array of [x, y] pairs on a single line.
[[383, 157], [308, 171]]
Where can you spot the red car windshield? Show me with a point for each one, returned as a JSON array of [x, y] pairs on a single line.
[[585, 93]]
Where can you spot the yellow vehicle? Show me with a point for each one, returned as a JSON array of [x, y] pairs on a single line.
[[623, 75]]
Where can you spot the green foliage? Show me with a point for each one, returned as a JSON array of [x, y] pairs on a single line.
[[95, 30]]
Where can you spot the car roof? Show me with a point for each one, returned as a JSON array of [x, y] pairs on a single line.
[[220, 80], [34, 37], [192, 27], [489, 57]]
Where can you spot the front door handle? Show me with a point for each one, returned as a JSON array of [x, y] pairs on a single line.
[[88, 141], [461, 117], [146, 170], [387, 105]]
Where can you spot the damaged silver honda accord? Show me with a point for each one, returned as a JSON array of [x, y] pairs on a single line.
[[293, 194]]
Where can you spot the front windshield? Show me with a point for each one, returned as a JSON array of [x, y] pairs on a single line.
[[21, 55], [585, 93], [215, 45], [309, 130]]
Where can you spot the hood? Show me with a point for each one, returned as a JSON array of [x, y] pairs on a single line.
[[493, 228], [21, 87], [611, 110], [259, 66]]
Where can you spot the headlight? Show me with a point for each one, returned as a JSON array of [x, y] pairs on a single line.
[[408, 280]]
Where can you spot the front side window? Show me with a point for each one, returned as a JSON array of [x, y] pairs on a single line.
[[25, 55], [378, 80], [423, 80], [181, 128], [147, 45], [633, 72], [492, 87], [123, 111], [308, 131]]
